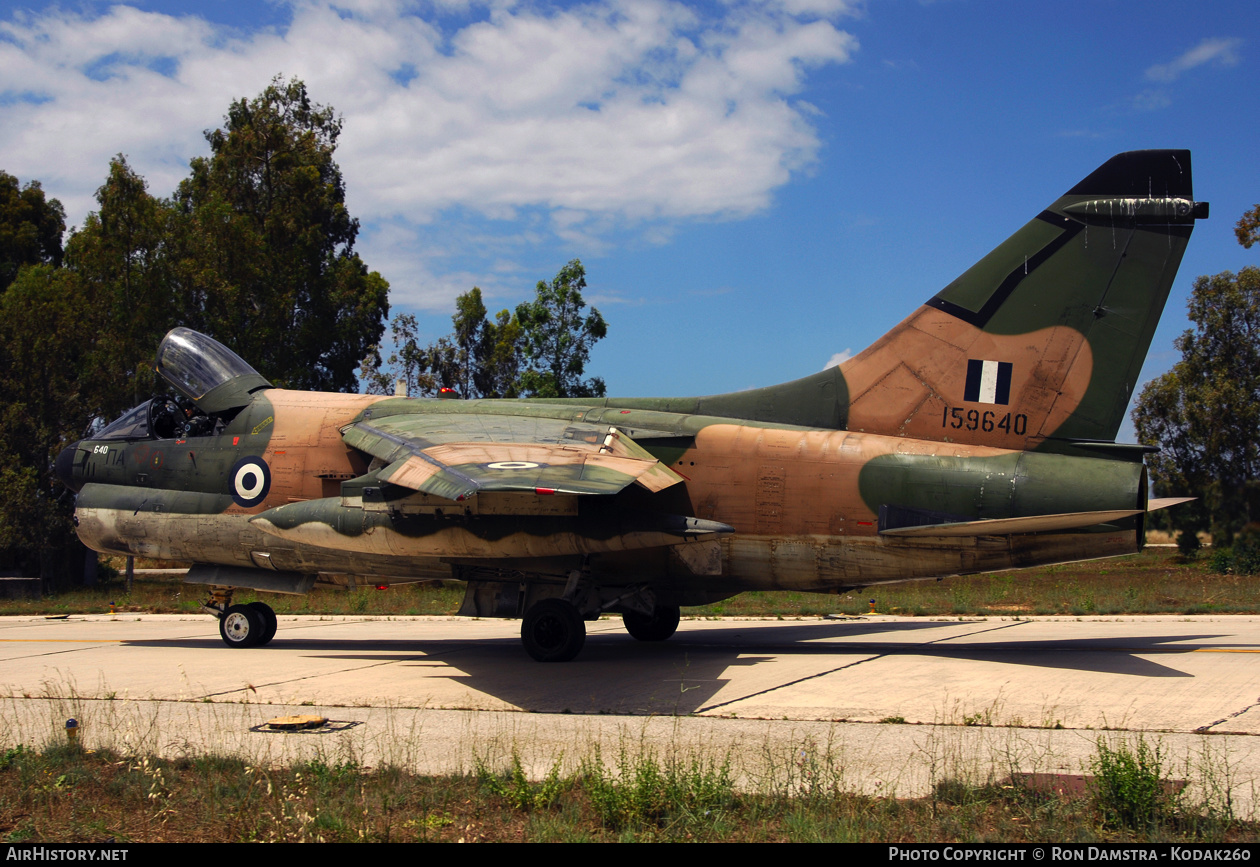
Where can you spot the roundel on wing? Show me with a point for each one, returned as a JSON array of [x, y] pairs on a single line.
[[251, 480]]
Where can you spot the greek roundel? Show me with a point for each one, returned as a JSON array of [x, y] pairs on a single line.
[[251, 480]]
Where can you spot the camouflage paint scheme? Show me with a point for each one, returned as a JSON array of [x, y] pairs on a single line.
[[976, 435]]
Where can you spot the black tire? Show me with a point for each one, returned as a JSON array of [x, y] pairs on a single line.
[[269, 622], [553, 631], [660, 625], [241, 626]]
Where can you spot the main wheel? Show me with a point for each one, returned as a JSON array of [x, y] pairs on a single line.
[[242, 626], [660, 625], [269, 621], [553, 631]]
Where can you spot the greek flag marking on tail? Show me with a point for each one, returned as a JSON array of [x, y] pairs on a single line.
[[988, 381]]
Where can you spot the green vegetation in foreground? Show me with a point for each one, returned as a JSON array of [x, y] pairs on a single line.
[[1155, 581], [64, 794]]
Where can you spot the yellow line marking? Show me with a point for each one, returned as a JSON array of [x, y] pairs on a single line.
[[62, 640], [1173, 648], [1224, 650]]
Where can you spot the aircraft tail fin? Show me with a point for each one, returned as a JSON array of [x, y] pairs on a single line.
[[1037, 345], [1043, 339]]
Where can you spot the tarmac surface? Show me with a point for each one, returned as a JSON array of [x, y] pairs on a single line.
[[880, 704]]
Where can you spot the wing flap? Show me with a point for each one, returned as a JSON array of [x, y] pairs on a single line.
[[421, 473], [658, 476]]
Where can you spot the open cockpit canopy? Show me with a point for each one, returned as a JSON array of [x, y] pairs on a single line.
[[205, 371]]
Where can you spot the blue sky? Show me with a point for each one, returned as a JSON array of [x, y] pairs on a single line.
[[753, 187]]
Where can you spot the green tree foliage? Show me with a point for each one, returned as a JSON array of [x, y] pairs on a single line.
[[46, 343], [121, 272], [499, 371], [558, 337], [1205, 412], [484, 358], [1242, 557], [541, 351], [1248, 228], [31, 227], [38, 314], [408, 363], [470, 326], [479, 358], [268, 260], [255, 249]]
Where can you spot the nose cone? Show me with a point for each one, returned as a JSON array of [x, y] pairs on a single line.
[[65, 467]]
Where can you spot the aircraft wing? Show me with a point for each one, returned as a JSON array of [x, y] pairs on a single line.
[[457, 455]]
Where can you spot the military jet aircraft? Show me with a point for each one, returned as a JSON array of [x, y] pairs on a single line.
[[976, 435]]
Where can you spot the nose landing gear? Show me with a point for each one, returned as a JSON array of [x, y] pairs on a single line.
[[252, 625]]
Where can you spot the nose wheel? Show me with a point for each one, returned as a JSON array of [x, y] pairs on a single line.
[[251, 625], [269, 621]]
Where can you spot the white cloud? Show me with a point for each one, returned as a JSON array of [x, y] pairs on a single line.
[[838, 359], [1222, 52], [1151, 99], [600, 115]]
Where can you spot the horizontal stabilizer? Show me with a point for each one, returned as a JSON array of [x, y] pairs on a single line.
[[1165, 502], [1132, 452], [1013, 526]]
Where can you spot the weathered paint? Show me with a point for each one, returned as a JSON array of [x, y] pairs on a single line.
[[996, 400]]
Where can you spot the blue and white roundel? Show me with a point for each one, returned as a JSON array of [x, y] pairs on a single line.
[[251, 480]]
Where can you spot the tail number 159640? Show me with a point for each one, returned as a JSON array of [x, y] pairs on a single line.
[[986, 420]]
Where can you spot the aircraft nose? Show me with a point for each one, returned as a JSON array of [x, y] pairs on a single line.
[[65, 467]]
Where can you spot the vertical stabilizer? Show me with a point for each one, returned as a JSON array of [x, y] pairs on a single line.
[[1044, 337]]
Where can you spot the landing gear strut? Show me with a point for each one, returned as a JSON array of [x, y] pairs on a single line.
[[251, 625], [553, 631]]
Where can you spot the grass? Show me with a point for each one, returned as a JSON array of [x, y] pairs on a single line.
[[1155, 581], [63, 793], [1129, 786], [59, 793], [167, 594]]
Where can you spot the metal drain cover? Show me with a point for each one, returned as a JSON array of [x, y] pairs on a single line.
[[296, 723]]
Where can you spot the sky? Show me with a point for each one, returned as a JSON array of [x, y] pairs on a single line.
[[756, 189]]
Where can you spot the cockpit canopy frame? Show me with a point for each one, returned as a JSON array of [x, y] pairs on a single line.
[[205, 371]]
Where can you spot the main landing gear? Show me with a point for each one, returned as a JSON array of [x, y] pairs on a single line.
[[553, 629], [661, 624], [252, 625]]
